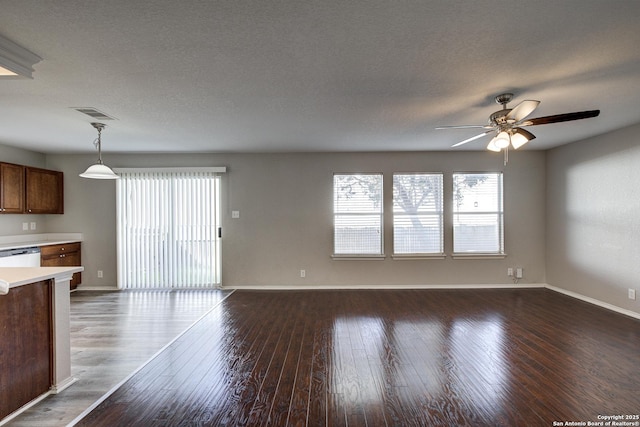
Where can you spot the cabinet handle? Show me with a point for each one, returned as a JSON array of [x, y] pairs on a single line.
[[62, 256], [62, 249]]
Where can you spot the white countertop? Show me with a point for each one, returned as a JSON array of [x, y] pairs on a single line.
[[18, 276], [29, 240]]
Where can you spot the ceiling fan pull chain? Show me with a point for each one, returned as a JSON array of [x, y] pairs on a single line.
[[506, 155]]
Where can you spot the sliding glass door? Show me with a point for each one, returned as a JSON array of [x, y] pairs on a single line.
[[168, 229]]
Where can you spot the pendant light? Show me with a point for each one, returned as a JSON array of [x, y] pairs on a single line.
[[99, 170]]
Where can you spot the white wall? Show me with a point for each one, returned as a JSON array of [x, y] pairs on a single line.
[[285, 224], [593, 211]]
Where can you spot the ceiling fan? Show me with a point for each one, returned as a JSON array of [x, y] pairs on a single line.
[[507, 124]]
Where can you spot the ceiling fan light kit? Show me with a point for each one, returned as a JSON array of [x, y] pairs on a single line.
[[502, 140], [507, 124], [520, 136], [99, 170]]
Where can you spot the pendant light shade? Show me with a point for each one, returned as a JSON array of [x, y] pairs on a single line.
[[99, 170]]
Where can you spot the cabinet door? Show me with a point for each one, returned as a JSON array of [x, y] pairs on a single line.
[[11, 188], [44, 191]]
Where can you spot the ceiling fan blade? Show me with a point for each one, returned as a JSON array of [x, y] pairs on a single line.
[[522, 110], [464, 127], [561, 118], [473, 138]]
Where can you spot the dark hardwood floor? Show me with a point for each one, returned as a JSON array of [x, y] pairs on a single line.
[[508, 357]]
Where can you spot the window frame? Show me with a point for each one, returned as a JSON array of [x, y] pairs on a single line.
[[500, 253], [359, 256], [440, 213]]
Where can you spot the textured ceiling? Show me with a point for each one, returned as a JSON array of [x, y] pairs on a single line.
[[270, 76]]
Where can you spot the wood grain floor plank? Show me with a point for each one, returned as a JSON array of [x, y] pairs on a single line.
[[271, 379], [281, 403], [317, 414], [224, 389], [299, 401], [253, 373]]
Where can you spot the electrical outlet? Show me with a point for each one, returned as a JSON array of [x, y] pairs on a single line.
[[303, 273], [100, 275], [33, 225], [632, 294], [510, 272], [519, 273], [25, 226], [235, 214]]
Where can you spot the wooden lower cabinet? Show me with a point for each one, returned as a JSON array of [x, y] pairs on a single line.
[[64, 255], [25, 345]]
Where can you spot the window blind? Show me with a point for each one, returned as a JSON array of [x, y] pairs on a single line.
[[357, 209], [478, 216], [168, 229], [418, 214]]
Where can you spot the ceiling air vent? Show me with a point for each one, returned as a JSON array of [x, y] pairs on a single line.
[[93, 113]]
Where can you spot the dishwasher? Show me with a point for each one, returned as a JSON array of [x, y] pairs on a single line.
[[22, 257]]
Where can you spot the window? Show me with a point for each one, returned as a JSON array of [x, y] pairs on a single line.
[[478, 213], [418, 214], [357, 214]]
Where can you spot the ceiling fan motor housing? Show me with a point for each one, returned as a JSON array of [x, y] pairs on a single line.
[[499, 117]]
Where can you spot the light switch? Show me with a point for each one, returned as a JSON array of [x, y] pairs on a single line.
[[235, 214]]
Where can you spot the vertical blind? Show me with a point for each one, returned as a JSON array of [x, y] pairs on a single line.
[[357, 214], [168, 229], [478, 215], [418, 217]]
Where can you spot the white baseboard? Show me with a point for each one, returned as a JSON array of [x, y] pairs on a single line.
[[24, 408], [96, 288], [363, 287], [59, 388], [595, 301]]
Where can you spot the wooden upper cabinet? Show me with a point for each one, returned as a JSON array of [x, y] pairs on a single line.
[[11, 188], [44, 191]]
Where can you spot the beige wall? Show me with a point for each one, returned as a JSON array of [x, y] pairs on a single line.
[[285, 224], [593, 226], [571, 216]]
